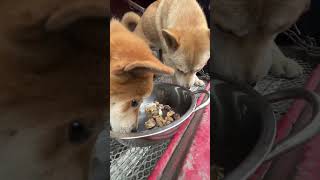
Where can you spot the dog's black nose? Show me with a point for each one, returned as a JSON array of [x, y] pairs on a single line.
[[134, 130], [187, 86]]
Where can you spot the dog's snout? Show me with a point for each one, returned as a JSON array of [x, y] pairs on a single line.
[[251, 78], [188, 86]]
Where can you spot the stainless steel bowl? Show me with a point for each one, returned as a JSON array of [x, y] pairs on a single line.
[[182, 100]]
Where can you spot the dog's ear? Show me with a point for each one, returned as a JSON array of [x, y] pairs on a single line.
[[116, 26], [148, 66], [141, 67], [171, 38], [71, 12]]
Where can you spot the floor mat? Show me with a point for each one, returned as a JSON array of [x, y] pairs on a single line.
[[302, 162], [280, 109]]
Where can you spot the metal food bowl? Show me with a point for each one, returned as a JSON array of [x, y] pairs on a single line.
[[182, 100]]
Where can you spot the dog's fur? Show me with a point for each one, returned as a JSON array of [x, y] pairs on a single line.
[[180, 30], [52, 73], [132, 66], [243, 38]]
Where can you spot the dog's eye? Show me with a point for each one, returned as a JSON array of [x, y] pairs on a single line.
[[134, 103], [78, 133]]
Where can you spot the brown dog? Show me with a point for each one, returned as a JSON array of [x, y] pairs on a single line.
[[53, 87], [179, 28], [243, 38], [132, 66]]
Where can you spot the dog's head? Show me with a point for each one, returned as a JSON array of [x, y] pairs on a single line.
[[131, 76], [53, 87], [188, 52], [244, 31]]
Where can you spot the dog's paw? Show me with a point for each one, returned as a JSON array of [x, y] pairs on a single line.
[[198, 82], [286, 68]]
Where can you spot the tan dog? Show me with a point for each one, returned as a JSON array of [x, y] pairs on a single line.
[[132, 66], [244, 33], [180, 30], [52, 87]]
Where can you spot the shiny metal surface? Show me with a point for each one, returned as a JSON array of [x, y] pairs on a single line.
[[182, 100], [254, 126]]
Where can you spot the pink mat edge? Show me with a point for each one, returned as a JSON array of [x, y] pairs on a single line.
[[161, 164], [285, 123], [197, 162]]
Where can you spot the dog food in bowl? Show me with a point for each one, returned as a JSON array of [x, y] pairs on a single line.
[[159, 115]]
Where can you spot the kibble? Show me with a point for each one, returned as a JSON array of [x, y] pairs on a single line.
[[159, 115]]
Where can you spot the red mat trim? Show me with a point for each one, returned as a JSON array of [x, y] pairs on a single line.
[[197, 162], [286, 122], [161, 164]]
